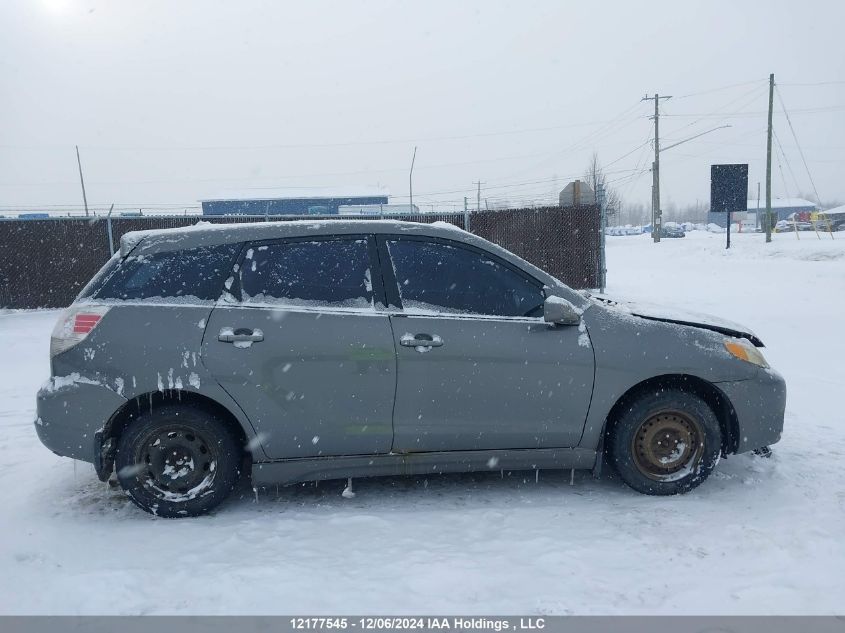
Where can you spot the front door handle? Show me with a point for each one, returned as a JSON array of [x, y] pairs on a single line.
[[240, 335], [422, 342]]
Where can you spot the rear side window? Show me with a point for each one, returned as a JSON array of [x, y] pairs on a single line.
[[314, 273], [196, 273], [444, 278], [98, 280]]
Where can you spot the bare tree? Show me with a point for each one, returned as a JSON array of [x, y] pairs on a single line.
[[594, 176], [633, 213]]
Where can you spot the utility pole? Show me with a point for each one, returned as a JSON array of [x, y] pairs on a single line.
[[656, 214], [411, 180], [466, 214], [82, 181], [601, 198], [478, 195], [108, 225], [769, 161]]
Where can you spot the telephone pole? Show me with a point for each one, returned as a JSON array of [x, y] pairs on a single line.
[[478, 195], [411, 181], [656, 214], [84, 197], [466, 214], [769, 161]]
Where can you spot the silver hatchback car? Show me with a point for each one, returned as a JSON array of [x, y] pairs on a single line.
[[297, 351]]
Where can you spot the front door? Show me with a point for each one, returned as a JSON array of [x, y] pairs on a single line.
[[302, 349], [478, 368]]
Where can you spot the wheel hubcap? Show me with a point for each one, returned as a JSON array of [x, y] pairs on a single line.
[[667, 445], [175, 461]]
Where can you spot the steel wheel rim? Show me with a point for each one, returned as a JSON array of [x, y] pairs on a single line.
[[176, 463], [668, 445]]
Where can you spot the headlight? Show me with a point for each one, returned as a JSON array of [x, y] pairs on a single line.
[[744, 350]]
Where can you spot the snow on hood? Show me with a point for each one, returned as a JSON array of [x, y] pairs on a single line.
[[669, 314]]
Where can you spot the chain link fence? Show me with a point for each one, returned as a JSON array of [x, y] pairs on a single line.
[[44, 263]]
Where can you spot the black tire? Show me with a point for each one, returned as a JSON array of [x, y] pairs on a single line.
[[178, 461], [665, 442]]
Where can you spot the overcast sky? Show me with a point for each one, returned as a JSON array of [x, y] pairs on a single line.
[[171, 102]]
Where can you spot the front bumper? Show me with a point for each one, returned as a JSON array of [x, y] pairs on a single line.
[[69, 414], [759, 404]]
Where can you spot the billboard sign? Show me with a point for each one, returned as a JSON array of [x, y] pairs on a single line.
[[728, 188]]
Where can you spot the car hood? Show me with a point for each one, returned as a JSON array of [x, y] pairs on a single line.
[[667, 314]]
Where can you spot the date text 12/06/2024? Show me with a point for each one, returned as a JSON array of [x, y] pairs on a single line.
[[455, 623]]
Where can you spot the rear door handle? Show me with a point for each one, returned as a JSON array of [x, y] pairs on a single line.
[[240, 335], [423, 342]]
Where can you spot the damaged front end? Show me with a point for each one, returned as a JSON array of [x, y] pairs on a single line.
[[665, 314]]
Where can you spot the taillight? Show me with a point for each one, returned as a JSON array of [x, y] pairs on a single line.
[[73, 326]]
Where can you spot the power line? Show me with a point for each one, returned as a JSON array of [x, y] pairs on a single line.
[[604, 129], [616, 124], [520, 186], [316, 145], [821, 110], [509, 185], [275, 178], [786, 160], [688, 156], [729, 86], [780, 167], [800, 151], [817, 83], [641, 167], [613, 162], [746, 97]]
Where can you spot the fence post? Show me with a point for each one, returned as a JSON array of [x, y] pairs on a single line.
[[466, 215], [601, 197], [108, 225]]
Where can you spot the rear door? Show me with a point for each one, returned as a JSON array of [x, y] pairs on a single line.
[[302, 349], [478, 368]]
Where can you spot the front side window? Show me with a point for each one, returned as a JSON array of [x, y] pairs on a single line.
[[334, 273], [434, 276]]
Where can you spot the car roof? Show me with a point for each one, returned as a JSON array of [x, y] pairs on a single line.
[[207, 234]]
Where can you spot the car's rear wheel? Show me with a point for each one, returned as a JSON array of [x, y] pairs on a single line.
[[178, 461], [665, 442]]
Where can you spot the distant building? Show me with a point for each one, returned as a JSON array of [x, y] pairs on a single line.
[[576, 194], [781, 209], [291, 202]]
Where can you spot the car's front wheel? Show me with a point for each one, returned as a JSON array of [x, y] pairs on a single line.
[[178, 461], [665, 442]]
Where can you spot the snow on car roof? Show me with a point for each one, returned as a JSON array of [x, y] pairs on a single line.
[[205, 233]]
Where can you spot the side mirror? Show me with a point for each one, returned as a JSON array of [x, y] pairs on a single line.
[[559, 311]]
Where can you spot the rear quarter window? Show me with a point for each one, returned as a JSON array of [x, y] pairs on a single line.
[[197, 273], [97, 281]]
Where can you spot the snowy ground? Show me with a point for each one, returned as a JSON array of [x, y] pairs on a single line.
[[761, 536]]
